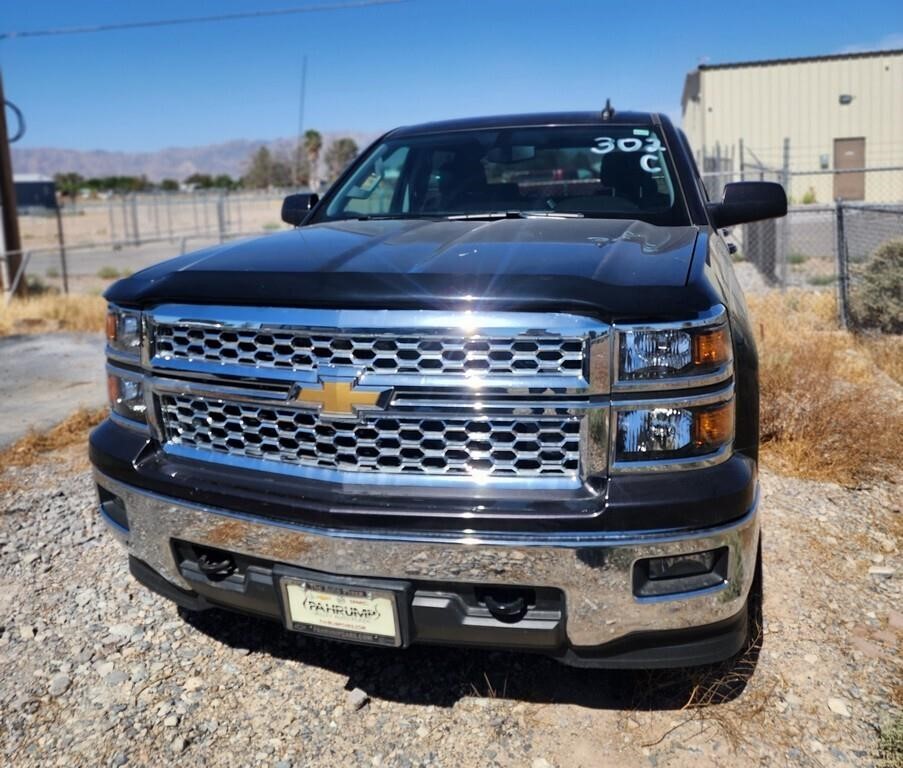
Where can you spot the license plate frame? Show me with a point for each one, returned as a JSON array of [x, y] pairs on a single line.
[[293, 584]]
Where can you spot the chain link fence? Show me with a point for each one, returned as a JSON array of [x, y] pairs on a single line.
[[823, 246], [108, 238]]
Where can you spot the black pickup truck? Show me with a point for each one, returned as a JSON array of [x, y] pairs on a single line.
[[496, 388]]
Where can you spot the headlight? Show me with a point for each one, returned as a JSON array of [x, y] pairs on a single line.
[[124, 331], [680, 355], [126, 394], [673, 433]]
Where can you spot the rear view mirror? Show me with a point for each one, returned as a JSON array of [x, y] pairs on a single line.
[[746, 201], [296, 207], [511, 154]]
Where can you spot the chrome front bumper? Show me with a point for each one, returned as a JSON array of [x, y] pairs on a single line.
[[593, 570]]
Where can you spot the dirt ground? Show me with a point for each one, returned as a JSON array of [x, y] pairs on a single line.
[[97, 671]]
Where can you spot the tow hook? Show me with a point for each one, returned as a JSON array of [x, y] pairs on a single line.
[[508, 608], [215, 568]]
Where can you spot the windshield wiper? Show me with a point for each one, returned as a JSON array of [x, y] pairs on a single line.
[[489, 216], [388, 216]]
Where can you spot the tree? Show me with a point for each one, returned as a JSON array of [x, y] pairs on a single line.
[[313, 143], [267, 170], [224, 181], [169, 185], [259, 169], [200, 180], [69, 184], [340, 153]]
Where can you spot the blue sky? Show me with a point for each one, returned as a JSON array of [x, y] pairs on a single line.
[[373, 68]]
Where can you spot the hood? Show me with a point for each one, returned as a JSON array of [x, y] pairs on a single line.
[[590, 266]]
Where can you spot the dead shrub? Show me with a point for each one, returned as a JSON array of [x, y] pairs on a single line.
[[69, 432], [40, 314], [827, 413]]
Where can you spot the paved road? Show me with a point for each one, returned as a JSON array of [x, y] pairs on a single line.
[[45, 377]]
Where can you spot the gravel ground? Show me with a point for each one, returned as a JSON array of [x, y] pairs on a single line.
[[97, 671]]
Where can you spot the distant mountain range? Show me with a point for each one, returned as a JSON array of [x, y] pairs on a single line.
[[172, 163]]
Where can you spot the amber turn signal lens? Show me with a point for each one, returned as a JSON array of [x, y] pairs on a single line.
[[711, 348], [714, 426], [111, 326], [112, 388]]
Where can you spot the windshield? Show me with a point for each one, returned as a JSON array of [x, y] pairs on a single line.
[[603, 171]]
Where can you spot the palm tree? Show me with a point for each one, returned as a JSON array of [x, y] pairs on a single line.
[[313, 143]]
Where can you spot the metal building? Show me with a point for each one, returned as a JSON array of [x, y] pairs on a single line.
[[828, 123]]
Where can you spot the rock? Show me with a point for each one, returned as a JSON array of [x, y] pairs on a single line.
[[59, 684], [122, 630], [116, 677], [26, 632], [171, 722], [119, 759], [541, 762], [838, 707], [194, 683], [357, 699], [179, 744], [881, 571]]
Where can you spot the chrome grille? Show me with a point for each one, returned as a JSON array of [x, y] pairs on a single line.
[[303, 350], [525, 446]]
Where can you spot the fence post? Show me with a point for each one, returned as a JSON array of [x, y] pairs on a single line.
[[112, 219], [125, 219], [136, 233], [841, 248], [742, 161], [59, 230], [220, 215], [784, 229]]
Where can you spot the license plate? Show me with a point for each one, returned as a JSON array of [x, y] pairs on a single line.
[[342, 611]]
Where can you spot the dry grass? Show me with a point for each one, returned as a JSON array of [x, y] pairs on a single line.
[[886, 352], [827, 411], [51, 312], [73, 430]]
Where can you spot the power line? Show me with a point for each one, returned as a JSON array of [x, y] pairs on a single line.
[[349, 4]]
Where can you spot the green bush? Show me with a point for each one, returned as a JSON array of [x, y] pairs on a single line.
[[108, 273], [876, 299]]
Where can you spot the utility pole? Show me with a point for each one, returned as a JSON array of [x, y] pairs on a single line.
[[12, 241], [299, 144]]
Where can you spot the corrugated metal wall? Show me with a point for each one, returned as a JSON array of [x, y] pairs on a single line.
[[761, 105]]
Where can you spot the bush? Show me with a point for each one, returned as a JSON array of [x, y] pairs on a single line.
[[876, 300], [826, 408], [108, 273]]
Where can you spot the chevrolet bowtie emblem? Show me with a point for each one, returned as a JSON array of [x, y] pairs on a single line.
[[339, 398]]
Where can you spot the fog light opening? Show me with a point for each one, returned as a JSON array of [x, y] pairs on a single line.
[[674, 574]]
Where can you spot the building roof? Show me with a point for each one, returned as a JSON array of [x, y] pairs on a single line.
[[802, 59], [30, 178], [692, 84]]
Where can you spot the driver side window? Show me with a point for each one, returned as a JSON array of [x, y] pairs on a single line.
[[373, 193]]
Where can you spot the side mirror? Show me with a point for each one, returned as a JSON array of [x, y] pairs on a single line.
[[745, 201], [296, 207]]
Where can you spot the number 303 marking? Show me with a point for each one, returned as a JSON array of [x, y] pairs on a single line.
[[650, 147]]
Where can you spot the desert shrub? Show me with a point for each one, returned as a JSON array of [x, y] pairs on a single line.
[[826, 408], [876, 300], [108, 273], [49, 312]]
